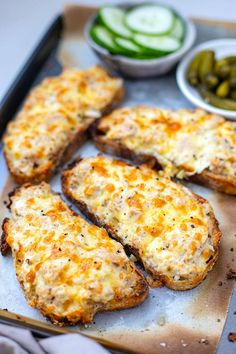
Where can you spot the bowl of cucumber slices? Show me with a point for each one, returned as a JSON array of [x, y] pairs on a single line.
[[141, 40]]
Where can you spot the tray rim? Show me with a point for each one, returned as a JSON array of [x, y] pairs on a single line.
[[45, 329]]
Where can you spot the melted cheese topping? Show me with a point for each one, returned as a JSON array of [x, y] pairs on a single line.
[[184, 142], [52, 115], [163, 220], [66, 266]]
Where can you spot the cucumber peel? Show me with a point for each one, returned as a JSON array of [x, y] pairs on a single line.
[[128, 46], [113, 19], [104, 38], [178, 29]]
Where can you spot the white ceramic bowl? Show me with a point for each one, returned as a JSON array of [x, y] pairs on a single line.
[[142, 68], [222, 48]]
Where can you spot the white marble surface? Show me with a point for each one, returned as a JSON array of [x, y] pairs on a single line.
[[22, 23]]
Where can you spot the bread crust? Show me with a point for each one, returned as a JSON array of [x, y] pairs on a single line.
[[207, 178], [66, 153], [140, 292], [118, 149], [47, 174], [159, 278], [117, 304], [219, 183], [4, 245]]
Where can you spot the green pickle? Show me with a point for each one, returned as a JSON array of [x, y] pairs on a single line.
[[222, 68], [233, 95], [192, 73], [231, 59], [206, 64], [233, 71], [215, 79], [211, 80], [223, 89], [223, 103], [232, 80]]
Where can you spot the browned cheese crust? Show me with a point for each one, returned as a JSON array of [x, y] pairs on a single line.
[[46, 167], [31, 278], [212, 179], [157, 278]]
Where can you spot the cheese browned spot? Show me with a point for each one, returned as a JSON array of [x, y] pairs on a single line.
[[172, 230], [68, 268], [54, 113], [184, 142]]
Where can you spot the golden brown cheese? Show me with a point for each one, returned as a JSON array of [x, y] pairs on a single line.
[[171, 230], [54, 114], [184, 142], [68, 268]]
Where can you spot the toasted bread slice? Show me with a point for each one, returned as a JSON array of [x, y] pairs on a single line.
[[187, 144], [67, 268], [171, 230], [55, 119]]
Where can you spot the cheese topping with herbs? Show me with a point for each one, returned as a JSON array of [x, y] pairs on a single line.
[[164, 221], [53, 114], [66, 266], [184, 142]]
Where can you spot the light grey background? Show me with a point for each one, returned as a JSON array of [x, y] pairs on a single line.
[[22, 23]]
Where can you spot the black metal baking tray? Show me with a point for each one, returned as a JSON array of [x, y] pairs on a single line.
[[42, 54]]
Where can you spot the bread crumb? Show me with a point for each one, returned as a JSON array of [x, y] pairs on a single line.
[[183, 343], [231, 274], [204, 341], [161, 321], [163, 344], [232, 337]]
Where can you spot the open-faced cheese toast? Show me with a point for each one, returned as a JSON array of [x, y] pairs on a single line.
[[187, 144], [67, 268], [171, 230], [54, 120]]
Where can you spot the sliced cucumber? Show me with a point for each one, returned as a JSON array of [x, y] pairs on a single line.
[[113, 19], [104, 38], [162, 44], [127, 46], [178, 29], [150, 19]]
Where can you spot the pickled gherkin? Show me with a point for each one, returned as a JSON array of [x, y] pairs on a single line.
[[223, 89], [222, 69], [193, 69], [215, 79], [211, 80], [206, 64], [223, 103], [232, 80], [231, 59], [233, 95]]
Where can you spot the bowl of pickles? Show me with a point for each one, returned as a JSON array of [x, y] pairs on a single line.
[[207, 77]]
